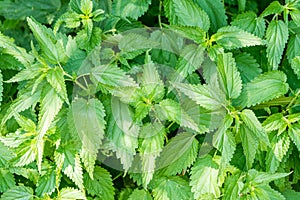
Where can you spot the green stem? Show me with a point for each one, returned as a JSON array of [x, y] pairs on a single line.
[[159, 14], [276, 102], [293, 100], [120, 174]]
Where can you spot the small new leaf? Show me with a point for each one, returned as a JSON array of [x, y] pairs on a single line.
[[274, 8], [52, 48]]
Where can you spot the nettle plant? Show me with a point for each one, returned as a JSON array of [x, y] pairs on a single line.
[[104, 106]]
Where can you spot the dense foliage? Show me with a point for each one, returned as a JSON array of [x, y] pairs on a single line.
[[149, 99]]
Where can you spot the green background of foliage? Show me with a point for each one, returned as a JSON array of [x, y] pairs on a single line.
[[249, 87]]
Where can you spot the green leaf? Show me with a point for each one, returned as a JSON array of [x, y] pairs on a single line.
[[122, 132], [204, 177], [86, 6], [228, 148], [205, 119], [9, 62], [186, 13], [88, 158], [39, 9], [75, 5], [71, 19], [295, 14], [216, 12], [274, 122], [19, 53], [173, 187], [150, 73], [101, 185], [242, 5], [231, 37], [135, 43], [291, 194], [233, 186], [250, 144], [128, 8], [258, 178], [193, 33], [26, 152], [46, 184], [186, 147], [24, 101], [71, 164], [277, 36], [190, 60], [202, 95], [279, 147], [50, 106], [82, 113], [19, 193], [294, 133], [111, 75], [6, 155], [125, 193], [152, 86], [90, 37], [247, 66], [293, 47], [266, 192], [30, 174], [257, 92], [254, 125], [70, 194], [52, 48], [274, 8], [249, 22], [27, 74], [296, 66], [55, 77], [230, 79], [224, 141], [218, 138], [171, 110], [7, 180], [1, 87], [150, 148], [140, 194]]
